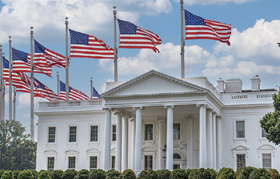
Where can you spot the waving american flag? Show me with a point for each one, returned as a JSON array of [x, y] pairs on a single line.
[[73, 93]]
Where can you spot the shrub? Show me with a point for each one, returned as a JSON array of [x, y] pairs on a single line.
[[237, 173], [274, 174], [44, 175], [34, 173], [25, 174], [69, 174], [147, 174], [260, 173], [7, 175], [16, 173], [112, 174], [178, 173], [1, 172], [188, 171], [97, 174], [202, 173], [163, 174], [83, 174], [246, 171], [56, 174], [226, 173], [128, 174], [211, 173]]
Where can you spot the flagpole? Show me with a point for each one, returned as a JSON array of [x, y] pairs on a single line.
[[58, 84], [32, 88], [182, 41], [67, 62], [2, 102], [115, 46], [91, 89], [14, 103], [10, 79]]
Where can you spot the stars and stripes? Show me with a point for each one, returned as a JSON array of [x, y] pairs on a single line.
[[44, 91], [22, 63], [95, 94], [87, 46], [45, 57], [132, 36], [73, 93], [199, 28]]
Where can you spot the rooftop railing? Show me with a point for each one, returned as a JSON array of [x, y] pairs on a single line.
[[56, 104]]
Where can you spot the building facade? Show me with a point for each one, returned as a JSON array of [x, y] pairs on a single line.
[[160, 122]]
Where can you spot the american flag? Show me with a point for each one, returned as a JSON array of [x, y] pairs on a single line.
[[73, 93], [87, 46], [132, 36], [45, 57], [44, 91], [22, 63], [199, 28], [95, 94]]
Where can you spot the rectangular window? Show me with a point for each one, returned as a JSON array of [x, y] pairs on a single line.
[[72, 134], [240, 160], [50, 164], [114, 133], [93, 162], [240, 129], [51, 134], [71, 162], [264, 134], [266, 160], [94, 133], [176, 131], [148, 131], [148, 162], [113, 162]]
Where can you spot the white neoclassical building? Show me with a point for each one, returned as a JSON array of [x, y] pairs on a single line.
[[158, 121]]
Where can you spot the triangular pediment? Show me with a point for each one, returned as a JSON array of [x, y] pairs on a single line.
[[240, 147], [152, 83]]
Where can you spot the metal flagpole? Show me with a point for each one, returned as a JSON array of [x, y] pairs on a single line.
[[115, 46], [14, 103], [67, 61], [2, 102], [32, 88], [91, 88], [182, 41], [58, 83], [10, 79]]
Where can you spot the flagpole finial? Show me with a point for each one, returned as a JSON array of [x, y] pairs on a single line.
[[114, 12], [181, 1], [66, 20], [10, 39], [0, 45]]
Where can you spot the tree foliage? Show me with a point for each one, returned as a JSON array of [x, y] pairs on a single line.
[[271, 121], [17, 151]]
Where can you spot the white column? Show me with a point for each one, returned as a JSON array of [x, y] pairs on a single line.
[[189, 142], [119, 142], [160, 135], [202, 137], [214, 143], [107, 142], [124, 143], [132, 143], [209, 138], [138, 140], [219, 143], [169, 141]]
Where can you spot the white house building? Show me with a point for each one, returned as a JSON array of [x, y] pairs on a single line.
[[158, 121]]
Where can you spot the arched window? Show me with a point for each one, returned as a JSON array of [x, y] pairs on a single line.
[[176, 156]]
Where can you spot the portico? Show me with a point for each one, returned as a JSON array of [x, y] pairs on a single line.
[[173, 113]]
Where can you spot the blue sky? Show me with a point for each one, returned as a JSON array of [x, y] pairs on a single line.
[[254, 50]]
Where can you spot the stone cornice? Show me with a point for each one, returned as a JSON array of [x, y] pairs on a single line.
[[67, 113], [247, 106]]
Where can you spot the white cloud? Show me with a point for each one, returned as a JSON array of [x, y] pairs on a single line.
[[47, 16], [207, 2], [24, 100]]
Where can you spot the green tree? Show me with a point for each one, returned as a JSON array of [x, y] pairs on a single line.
[[271, 121], [17, 151]]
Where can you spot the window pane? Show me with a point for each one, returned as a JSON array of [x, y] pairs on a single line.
[[94, 133], [114, 133], [240, 129], [240, 160], [176, 131], [93, 162], [266, 161], [264, 134], [148, 162], [149, 132], [72, 161], [72, 137], [113, 162], [51, 134], [50, 164]]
